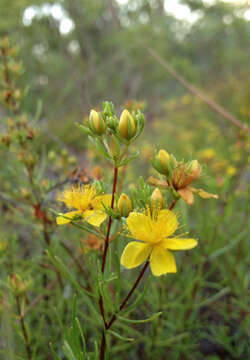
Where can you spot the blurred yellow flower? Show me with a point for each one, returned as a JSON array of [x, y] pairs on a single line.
[[207, 154], [88, 205], [231, 170], [3, 245], [152, 229]]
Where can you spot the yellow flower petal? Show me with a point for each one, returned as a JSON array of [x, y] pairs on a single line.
[[203, 194], [67, 217], [179, 244], [101, 199], [134, 254], [162, 261], [139, 226], [94, 217], [166, 223]]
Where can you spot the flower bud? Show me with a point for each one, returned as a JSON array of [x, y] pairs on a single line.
[[194, 170], [195, 166], [124, 205], [156, 200], [162, 162], [164, 158], [96, 122], [127, 125]]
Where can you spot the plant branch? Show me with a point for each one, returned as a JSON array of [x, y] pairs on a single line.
[[211, 103], [113, 318]]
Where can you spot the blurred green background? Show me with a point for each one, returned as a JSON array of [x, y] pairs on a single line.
[[78, 53]]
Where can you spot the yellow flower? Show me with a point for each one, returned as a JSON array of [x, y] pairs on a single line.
[[88, 205], [231, 170], [207, 154], [153, 230]]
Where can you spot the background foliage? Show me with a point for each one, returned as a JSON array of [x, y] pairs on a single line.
[[76, 54]]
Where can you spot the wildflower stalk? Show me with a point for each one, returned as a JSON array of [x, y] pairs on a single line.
[[24, 330], [113, 318], [104, 256], [173, 204], [124, 302]]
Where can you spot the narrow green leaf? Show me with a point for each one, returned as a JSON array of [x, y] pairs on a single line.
[[96, 350], [74, 307], [66, 273], [215, 297], [84, 129], [82, 336], [120, 337], [68, 351], [55, 356], [140, 321], [101, 148], [172, 340], [226, 248]]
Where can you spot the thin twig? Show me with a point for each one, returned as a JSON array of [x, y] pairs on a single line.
[[211, 103]]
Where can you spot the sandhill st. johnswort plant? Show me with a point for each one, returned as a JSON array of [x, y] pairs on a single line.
[[113, 216]]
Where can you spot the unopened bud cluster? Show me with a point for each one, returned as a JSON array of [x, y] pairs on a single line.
[[105, 122], [110, 134], [179, 174]]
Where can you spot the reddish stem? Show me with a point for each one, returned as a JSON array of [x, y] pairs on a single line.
[[129, 294], [173, 204], [104, 257], [113, 318]]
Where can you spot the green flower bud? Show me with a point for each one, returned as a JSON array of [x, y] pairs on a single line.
[[127, 126], [162, 162], [164, 158], [124, 205], [96, 123], [156, 200]]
